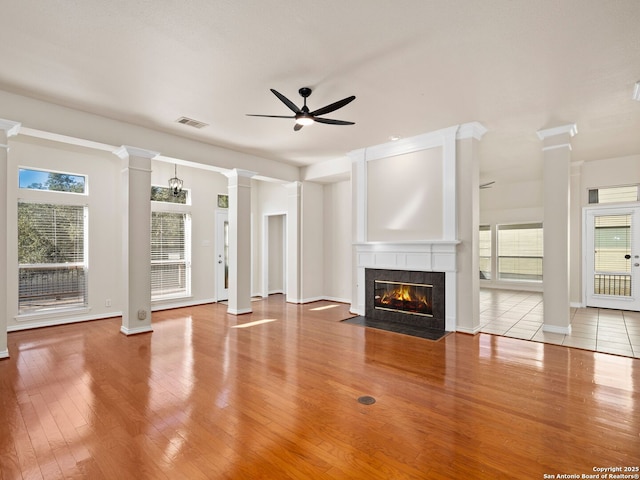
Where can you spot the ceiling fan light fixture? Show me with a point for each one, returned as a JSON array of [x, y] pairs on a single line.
[[636, 91], [304, 120]]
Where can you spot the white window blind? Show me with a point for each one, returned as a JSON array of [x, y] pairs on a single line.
[[485, 252], [51, 256], [170, 255], [520, 252], [612, 242]]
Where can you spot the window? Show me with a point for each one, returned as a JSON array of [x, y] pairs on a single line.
[[52, 181], [51, 256], [614, 194], [485, 252], [165, 194], [170, 255], [520, 252]]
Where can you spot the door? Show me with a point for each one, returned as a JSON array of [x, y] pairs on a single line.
[[222, 256], [612, 257]]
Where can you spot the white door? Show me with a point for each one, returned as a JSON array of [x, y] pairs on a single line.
[[612, 257], [222, 256]]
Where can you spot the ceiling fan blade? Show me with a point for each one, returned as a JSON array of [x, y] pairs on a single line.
[[292, 106], [334, 106], [270, 116], [297, 127], [332, 122]]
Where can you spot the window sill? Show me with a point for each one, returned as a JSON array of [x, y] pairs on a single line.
[[51, 313]]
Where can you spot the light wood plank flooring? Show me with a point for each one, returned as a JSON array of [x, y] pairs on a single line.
[[200, 399]]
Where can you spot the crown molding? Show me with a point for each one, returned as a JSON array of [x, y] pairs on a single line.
[[571, 129]]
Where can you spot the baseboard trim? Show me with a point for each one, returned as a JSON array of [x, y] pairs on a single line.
[[52, 322], [4, 354], [189, 303], [136, 331]]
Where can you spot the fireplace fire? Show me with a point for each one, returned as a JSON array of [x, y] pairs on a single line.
[[402, 297]]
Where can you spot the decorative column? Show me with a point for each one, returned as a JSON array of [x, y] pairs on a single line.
[[294, 204], [555, 271], [239, 241], [136, 239], [7, 129], [468, 225]]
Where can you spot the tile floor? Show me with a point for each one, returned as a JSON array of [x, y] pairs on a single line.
[[519, 314]]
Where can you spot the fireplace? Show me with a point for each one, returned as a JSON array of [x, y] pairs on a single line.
[[412, 298]]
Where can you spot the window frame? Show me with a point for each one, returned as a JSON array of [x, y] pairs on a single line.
[[85, 191], [179, 209], [514, 226]]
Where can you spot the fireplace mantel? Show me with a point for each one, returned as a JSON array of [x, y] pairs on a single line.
[[425, 256]]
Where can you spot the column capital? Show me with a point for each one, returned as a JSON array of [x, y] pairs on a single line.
[[11, 128], [238, 172], [571, 130], [127, 151], [471, 130]]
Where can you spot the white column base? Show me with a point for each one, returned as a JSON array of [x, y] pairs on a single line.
[[556, 329], [241, 311], [134, 331]]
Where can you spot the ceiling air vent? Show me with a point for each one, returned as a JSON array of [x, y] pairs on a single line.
[[191, 122]]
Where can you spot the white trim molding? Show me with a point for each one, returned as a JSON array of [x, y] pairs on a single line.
[[571, 129], [4, 354]]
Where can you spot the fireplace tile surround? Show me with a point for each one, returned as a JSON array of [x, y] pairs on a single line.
[[436, 282]]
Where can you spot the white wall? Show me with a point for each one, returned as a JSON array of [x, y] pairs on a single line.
[[312, 255], [267, 199], [337, 241]]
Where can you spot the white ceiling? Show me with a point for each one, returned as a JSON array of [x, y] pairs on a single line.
[[516, 66]]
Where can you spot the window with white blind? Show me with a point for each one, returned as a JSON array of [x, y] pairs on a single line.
[[485, 252], [629, 193], [520, 252], [170, 255], [51, 256]]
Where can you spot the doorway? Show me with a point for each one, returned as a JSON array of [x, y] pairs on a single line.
[[274, 276], [611, 260], [222, 256]]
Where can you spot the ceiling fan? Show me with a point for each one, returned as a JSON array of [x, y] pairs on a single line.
[[303, 116]]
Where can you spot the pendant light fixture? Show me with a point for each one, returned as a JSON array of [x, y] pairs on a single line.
[[175, 184]]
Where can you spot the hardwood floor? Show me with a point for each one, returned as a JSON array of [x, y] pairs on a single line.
[[200, 399]]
